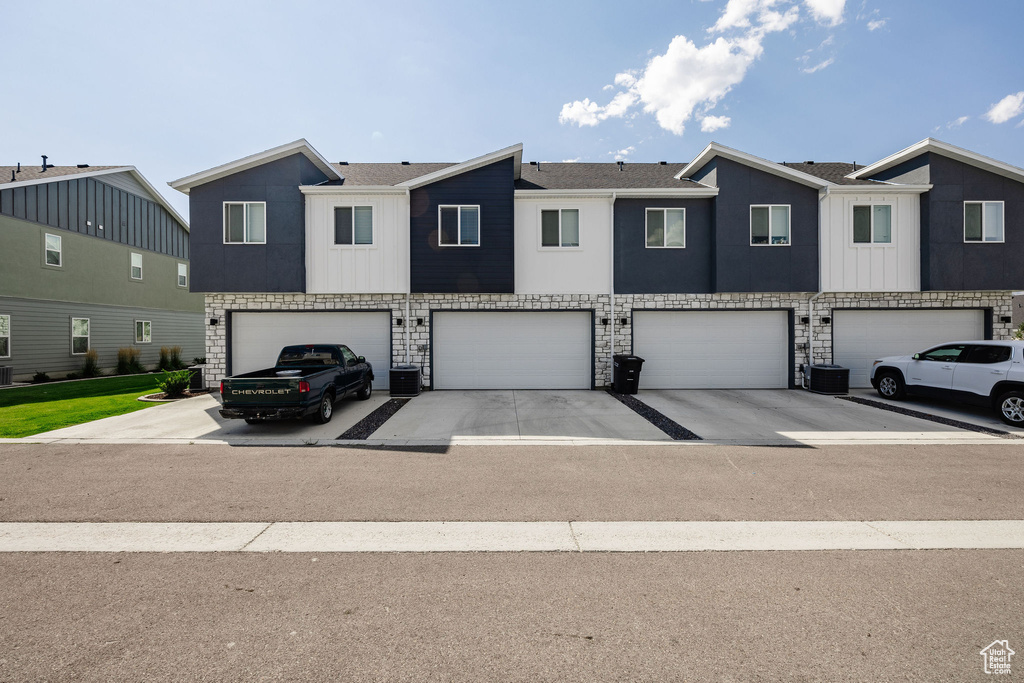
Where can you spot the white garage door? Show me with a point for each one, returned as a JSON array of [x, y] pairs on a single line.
[[257, 338], [512, 350], [712, 349], [859, 337]]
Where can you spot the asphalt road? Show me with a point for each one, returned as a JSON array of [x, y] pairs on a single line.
[[809, 615]]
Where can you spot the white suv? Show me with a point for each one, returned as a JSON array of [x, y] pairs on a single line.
[[986, 373]]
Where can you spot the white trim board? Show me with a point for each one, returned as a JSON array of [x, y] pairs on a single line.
[[715, 150], [253, 160], [515, 151], [944, 148]]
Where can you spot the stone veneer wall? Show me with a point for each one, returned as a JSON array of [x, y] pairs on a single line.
[[420, 306]]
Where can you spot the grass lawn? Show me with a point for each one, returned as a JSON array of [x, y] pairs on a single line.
[[25, 411]]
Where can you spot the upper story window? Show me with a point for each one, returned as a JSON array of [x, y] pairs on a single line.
[[872, 224], [769, 224], [53, 255], [136, 268], [353, 225], [183, 275], [983, 221], [560, 228], [5, 336], [245, 222], [143, 331], [666, 228], [79, 336], [459, 226]]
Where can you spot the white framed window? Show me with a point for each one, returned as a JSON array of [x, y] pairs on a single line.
[[245, 222], [353, 225], [769, 225], [665, 229], [458, 226], [136, 267], [559, 228], [872, 224], [983, 222], [52, 252], [79, 336], [183, 275], [5, 336], [143, 331]]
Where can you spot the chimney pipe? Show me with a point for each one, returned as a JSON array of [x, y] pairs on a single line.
[[620, 164], [19, 167], [44, 162], [13, 178]]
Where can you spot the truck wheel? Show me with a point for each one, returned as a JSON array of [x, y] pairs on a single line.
[[890, 385], [326, 409], [1011, 408], [365, 391]]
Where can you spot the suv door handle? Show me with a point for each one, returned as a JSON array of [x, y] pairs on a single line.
[[998, 372], [947, 367]]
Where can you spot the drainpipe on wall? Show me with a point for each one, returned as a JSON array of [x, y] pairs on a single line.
[[611, 288], [810, 302], [408, 282]]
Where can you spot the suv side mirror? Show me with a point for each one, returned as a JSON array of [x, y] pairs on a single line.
[[361, 359], [917, 356]]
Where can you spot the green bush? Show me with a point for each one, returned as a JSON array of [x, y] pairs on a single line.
[[1019, 332], [165, 359], [91, 368], [175, 383], [199, 360], [40, 377], [73, 375]]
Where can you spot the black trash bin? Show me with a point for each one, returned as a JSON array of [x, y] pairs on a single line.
[[626, 373], [829, 379]]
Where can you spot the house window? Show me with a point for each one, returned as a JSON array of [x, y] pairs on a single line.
[[560, 228], [872, 224], [183, 275], [143, 331], [5, 336], [983, 221], [53, 250], [460, 226], [769, 224], [353, 225], [666, 228], [79, 336], [136, 269], [245, 223]]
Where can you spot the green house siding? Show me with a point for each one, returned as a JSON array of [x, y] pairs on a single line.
[[93, 270]]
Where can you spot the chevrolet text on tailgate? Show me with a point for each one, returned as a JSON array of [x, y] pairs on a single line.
[[986, 373], [305, 382]]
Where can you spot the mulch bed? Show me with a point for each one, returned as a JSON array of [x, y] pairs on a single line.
[[372, 422], [931, 418], [675, 430]]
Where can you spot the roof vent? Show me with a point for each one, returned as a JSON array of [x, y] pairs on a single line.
[[13, 178], [620, 163], [809, 163], [45, 165], [83, 165], [538, 166], [533, 163], [19, 167], [405, 163], [663, 163], [342, 163]]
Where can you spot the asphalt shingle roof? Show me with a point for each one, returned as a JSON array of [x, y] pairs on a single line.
[[383, 174], [832, 171], [35, 172], [587, 176]]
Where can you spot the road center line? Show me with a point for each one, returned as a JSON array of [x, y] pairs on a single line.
[[433, 537]]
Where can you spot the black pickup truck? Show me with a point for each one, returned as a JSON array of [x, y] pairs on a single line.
[[306, 381]]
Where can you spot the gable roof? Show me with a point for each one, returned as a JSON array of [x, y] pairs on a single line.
[[835, 172], [383, 174], [945, 149], [36, 176], [716, 150], [515, 151], [253, 160], [603, 176]]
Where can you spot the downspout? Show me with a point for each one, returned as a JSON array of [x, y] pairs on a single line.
[[810, 302], [408, 277], [611, 288]]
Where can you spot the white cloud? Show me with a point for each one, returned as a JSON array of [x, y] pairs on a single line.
[[571, 161], [585, 113], [819, 66], [709, 124], [827, 11], [376, 135], [622, 153], [956, 123], [1007, 108], [876, 24]]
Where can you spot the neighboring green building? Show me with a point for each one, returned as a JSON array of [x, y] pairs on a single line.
[[91, 258]]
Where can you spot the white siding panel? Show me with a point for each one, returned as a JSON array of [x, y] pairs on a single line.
[[257, 338], [585, 270], [712, 349], [380, 268], [859, 337], [512, 350]]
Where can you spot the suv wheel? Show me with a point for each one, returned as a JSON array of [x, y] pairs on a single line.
[[890, 386], [365, 391], [1011, 408], [326, 410]]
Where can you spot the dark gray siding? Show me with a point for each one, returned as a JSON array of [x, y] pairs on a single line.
[[911, 172], [707, 174], [484, 269], [82, 205], [41, 334], [947, 262], [740, 267], [277, 266], [639, 270]]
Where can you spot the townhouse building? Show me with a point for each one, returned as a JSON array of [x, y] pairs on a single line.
[[730, 271], [91, 258]]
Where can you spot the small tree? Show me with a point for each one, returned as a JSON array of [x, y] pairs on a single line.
[[175, 383], [128, 361], [91, 367], [176, 362], [165, 359]]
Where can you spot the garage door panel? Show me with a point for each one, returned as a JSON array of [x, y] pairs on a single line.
[[859, 337], [512, 350], [257, 338], [712, 349]]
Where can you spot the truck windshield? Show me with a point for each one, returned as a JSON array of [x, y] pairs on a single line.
[[308, 356]]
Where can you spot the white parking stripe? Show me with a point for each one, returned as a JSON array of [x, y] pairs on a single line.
[[434, 537]]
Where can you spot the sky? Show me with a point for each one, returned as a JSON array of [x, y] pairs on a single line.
[[177, 88]]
